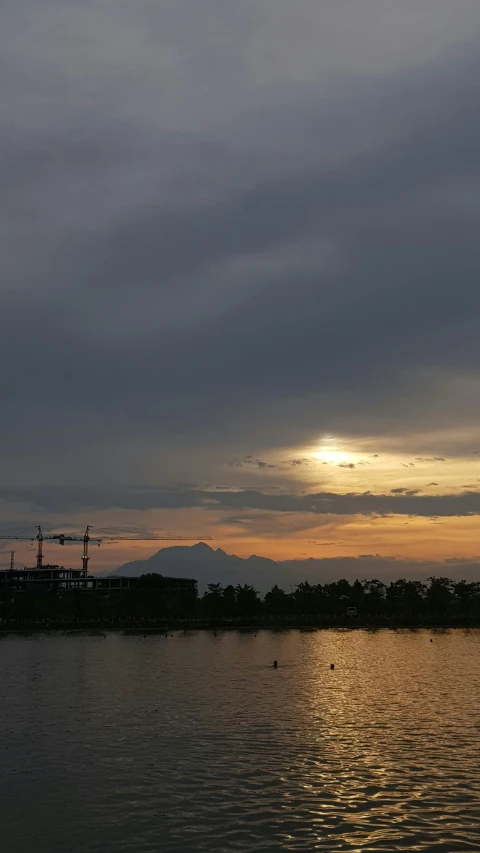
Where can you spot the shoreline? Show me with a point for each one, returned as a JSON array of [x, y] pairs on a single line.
[[139, 628]]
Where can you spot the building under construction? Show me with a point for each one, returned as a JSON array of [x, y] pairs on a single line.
[[60, 578], [53, 577]]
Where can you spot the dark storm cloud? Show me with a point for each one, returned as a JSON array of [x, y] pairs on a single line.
[[191, 275], [374, 297], [57, 500]]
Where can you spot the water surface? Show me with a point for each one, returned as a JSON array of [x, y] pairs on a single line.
[[195, 743]]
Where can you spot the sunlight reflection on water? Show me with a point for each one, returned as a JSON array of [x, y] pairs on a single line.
[[195, 742]]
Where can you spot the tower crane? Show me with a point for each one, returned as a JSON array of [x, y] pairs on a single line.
[[61, 538], [40, 538]]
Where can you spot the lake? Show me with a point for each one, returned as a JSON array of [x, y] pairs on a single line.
[[196, 743]]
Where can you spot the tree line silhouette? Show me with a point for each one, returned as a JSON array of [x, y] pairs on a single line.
[[435, 597], [150, 598]]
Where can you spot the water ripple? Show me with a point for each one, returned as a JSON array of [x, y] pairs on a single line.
[[197, 744]]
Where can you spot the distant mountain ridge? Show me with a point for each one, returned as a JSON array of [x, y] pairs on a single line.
[[209, 565]]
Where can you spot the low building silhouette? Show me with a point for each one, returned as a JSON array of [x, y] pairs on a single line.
[[61, 578]]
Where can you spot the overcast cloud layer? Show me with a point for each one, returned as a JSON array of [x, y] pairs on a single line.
[[57, 499], [230, 226]]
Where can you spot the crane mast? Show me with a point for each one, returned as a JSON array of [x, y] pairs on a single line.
[[85, 555], [39, 548]]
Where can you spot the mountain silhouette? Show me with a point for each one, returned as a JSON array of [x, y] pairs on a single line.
[[210, 565]]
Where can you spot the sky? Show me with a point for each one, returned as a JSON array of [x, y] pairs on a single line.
[[239, 275]]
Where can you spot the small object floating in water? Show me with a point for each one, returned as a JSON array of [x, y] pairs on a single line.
[[275, 664], [431, 641], [332, 666]]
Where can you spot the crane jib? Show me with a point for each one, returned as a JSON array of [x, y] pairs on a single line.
[[61, 538]]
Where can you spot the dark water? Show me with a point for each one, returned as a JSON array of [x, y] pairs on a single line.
[[196, 743]]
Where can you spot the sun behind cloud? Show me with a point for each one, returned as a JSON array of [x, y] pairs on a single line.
[[332, 452]]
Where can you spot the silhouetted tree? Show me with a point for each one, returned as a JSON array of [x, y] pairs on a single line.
[[338, 596], [277, 601], [212, 601], [304, 597], [229, 603], [248, 602], [466, 596], [374, 596], [439, 595], [405, 597]]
